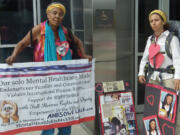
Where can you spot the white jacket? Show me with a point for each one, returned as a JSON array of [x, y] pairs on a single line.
[[175, 61]]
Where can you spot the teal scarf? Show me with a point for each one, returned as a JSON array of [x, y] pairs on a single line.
[[50, 47]]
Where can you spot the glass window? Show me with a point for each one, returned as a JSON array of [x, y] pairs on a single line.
[[77, 12], [80, 34], [144, 30], [145, 7], [16, 20], [141, 88], [174, 10]]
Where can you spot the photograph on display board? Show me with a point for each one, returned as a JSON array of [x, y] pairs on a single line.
[[132, 127], [124, 98], [118, 114], [113, 86], [151, 124], [167, 106], [112, 98], [131, 119], [114, 119]]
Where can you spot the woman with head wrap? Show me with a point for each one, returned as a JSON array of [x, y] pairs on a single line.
[[50, 40], [155, 54]]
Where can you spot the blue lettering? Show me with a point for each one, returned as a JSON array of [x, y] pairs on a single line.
[[60, 114]]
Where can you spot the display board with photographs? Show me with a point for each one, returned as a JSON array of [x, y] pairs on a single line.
[[118, 115], [161, 103]]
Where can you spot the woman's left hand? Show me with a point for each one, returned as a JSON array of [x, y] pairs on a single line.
[[87, 57], [177, 84]]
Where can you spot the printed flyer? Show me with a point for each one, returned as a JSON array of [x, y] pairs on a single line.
[[43, 95]]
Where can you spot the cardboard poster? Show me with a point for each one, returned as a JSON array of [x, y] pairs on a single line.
[[118, 114], [161, 102]]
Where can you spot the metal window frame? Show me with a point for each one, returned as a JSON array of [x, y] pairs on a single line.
[[72, 15], [87, 10], [164, 5], [139, 108], [38, 9]]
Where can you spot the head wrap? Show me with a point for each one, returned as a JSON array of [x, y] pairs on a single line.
[[56, 5], [159, 12]]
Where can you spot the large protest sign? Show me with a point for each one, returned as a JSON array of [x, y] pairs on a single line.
[[160, 108], [43, 95]]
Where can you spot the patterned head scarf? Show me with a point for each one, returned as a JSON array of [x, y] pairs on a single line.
[[56, 5], [159, 12]]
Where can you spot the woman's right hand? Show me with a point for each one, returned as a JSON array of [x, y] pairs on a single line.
[[142, 79], [10, 60]]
